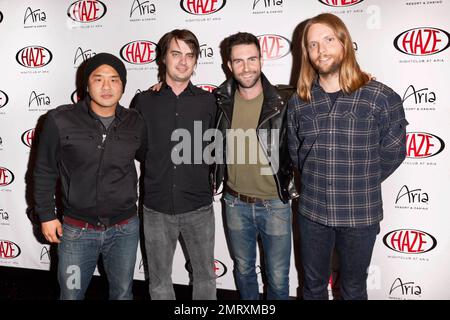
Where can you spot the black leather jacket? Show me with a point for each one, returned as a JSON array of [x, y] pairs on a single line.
[[273, 116]]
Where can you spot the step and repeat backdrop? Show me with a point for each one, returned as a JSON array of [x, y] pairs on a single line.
[[403, 43]]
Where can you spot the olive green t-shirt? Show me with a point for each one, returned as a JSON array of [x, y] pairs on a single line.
[[248, 168]]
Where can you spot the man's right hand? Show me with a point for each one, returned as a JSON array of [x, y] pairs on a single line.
[[52, 230]]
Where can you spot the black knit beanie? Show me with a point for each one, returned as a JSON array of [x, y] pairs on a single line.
[[105, 58]]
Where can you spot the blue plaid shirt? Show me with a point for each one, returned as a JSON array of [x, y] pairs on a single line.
[[344, 151]]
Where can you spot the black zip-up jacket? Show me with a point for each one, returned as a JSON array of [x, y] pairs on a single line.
[[96, 166], [273, 116]]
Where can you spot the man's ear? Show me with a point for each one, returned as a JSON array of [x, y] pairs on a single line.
[[229, 65]]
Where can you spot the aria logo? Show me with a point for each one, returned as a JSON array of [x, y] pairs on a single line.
[[1, 17], [219, 268], [409, 241], [74, 97], [82, 55], [273, 46], [421, 145], [28, 137], [422, 41], [34, 16], [202, 7], [413, 196], [340, 3], [4, 215], [206, 87], [3, 99], [205, 52], [267, 4], [9, 250], [142, 8], [423, 95], [86, 11], [38, 100], [34, 57], [6, 177], [45, 253], [139, 52], [405, 288]]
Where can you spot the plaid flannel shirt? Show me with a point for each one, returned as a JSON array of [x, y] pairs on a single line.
[[344, 151]]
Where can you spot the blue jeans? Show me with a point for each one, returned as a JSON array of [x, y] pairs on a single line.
[[161, 235], [270, 219], [354, 246], [79, 251]]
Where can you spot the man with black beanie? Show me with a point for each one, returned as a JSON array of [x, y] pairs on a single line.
[[91, 146]]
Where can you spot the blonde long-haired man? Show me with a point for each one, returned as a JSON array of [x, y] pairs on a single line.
[[347, 134]]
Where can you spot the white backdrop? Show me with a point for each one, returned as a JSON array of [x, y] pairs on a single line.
[[402, 43]]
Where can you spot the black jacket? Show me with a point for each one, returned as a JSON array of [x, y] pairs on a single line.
[[273, 116], [97, 172]]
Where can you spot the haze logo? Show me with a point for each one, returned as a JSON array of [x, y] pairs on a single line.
[[207, 87], [82, 55], [405, 289], [142, 8], [38, 100], [340, 3], [414, 196], [421, 145], [74, 97], [219, 268], [202, 7], [28, 137], [409, 241], [3, 99], [9, 250], [139, 52], [34, 16], [423, 95], [6, 177], [273, 46], [86, 11], [4, 215], [422, 41], [45, 254], [34, 57], [267, 4]]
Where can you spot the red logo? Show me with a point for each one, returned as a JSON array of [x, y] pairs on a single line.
[[86, 11], [202, 7], [34, 57], [9, 250], [207, 87], [3, 99], [340, 3], [219, 268], [422, 41], [27, 137], [139, 52], [423, 145], [409, 241], [6, 177], [274, 46]]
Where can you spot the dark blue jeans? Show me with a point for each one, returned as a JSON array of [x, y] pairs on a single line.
[[354, 246], [272, 221], [80, 249]]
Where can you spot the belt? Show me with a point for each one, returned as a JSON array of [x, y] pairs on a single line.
[[243, 197], [83, 224]]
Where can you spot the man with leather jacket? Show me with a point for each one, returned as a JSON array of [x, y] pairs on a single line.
[[256, 169]]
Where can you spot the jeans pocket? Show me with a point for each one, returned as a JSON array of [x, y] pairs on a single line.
[[72, 233], [230, 201], [131, 227], [280, 211]]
